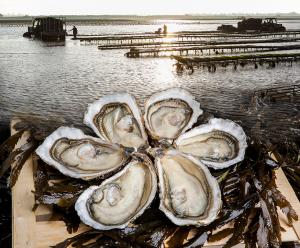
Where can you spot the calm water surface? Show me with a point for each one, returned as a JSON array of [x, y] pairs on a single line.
[[57, 82]]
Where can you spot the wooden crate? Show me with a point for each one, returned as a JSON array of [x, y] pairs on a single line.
[[35, 230]]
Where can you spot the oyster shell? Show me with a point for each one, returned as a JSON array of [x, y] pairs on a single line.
[[218, 144], [120, 199], [170, 112], [117, 118], [77, 155], [189, 194]]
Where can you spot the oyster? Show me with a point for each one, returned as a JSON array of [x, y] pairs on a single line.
[[120, 199], [218, 144], [189, 194], [169, 113], [77, 155], [117, 118]]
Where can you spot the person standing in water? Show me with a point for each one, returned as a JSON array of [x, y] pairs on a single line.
[[165, 29], [74, 29]]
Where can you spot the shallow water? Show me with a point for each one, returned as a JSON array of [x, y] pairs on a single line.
[[58, 82]]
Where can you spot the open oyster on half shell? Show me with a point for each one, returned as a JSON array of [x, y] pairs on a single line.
[[170, 112], [218, 144], [77, 155], [189, 194], [120, 199], [117, 118]]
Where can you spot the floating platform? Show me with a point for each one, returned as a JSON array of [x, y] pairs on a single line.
[[130, 39], [235, 60], [204, 50], [285, 93], [193, 43], [250, 57]]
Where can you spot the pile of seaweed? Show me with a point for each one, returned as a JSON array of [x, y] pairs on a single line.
[[249, 193]]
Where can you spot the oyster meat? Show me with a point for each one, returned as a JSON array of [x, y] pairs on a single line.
[[77, 155], [189, 194], [120, 199], [218, 144], [117, 118], [170, 112]]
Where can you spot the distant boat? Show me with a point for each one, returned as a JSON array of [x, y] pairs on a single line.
[[254, 25], [47, 29]]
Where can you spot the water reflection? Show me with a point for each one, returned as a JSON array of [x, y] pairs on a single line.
[[164, 72], [58, 82]]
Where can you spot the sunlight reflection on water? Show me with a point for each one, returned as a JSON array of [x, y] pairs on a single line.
[[58, 82]]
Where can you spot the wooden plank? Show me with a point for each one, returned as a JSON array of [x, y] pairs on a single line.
[[23, 218], [287, 190], [50, 233], [35, 230]]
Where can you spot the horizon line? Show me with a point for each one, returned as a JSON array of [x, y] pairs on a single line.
[[150, 15]]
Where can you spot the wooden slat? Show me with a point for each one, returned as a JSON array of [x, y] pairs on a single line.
[[287, 190], [50, 233], [23, 218]]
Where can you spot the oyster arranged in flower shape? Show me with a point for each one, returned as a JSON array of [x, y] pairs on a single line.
[[80, 156], [189, 194], [170, 113], [218, 144], [117, 119], [120, 199]]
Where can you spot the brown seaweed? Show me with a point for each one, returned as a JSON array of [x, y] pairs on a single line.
[[155, 237], [18, 158], [291, 244], [6, 149], [62, 195], [220, 234], [151, 234], [69, 217], [284, 205], [198, 241], [178, 237], [250, 235], [239, 227], [40, 175], [8, 145]]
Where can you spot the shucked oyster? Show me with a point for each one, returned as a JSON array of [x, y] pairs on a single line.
[[120, 199], [117, 118], [171, 112], [218, 144], [77, 155], [189, 194]]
